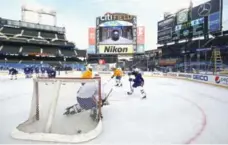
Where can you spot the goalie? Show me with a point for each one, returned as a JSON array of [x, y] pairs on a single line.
[[138, 82], [88, 73], [117, 73], [88, 99]]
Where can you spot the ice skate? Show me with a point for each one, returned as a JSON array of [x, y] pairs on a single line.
[[144, 97], [72, 110]]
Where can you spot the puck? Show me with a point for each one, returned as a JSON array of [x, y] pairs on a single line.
[[79, 131]]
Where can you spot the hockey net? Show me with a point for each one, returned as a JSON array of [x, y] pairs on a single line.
[[47, 121]]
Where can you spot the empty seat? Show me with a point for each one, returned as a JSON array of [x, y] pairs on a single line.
[[10, 49], [11, 31], [31, 49], [38, 41], [50, 50], [81, 53], [70, 44], [18, 39], [47, 35], [66, 52], [61, 36], [59, 42], [31, 33]]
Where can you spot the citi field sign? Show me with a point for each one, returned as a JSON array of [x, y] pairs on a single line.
[[117, 17]]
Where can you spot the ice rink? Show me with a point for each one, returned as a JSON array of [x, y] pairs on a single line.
[[175, 111]]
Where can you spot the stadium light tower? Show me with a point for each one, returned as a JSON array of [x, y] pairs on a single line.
[[39, 11]]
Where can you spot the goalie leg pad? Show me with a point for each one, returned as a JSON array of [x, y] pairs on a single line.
[[73, 109], [87, 103]]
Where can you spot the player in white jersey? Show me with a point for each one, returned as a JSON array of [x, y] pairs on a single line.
[[87, 98]]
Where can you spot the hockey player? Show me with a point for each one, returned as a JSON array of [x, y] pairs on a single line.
[[88, 98], [138, 82], [37, 71], [51, 72], [27, 72], [117, 73], [13, 72], [88, 73], [42, 71]]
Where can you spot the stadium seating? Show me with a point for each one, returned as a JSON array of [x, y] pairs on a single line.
[[30, 33], [9, 49], [33, 44], [61, 36], [67, 52], [11, 31], [30, 49], [50, 50], [48, 35]]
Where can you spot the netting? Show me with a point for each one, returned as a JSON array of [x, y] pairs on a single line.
[[47, 121]]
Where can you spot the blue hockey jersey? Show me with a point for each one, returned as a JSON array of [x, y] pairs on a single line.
[[26, 70], [13, 71], [138, 81]]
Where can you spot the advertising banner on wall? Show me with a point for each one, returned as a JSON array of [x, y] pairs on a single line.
[[140, 39], [182, 16], [91, 40], [214, 22], [92, 36], [206, 9], [140, 35], [116, 49], [91, 49], [165, 28], [140, 48]]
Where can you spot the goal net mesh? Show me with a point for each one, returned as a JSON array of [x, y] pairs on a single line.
[[50, 99]]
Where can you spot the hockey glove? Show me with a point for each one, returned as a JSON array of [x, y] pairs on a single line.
[[129, 73], [130, 79], [112, 77]]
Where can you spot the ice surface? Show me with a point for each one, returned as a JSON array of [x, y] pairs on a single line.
[[175, 111]]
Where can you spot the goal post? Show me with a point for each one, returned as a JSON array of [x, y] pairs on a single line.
[[46, 120]]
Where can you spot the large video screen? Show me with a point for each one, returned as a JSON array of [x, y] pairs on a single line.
[[115, 35]]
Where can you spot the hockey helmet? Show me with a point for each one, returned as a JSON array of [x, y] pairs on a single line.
[[89, 67], [136, 70], [119, 68], [96, 75]]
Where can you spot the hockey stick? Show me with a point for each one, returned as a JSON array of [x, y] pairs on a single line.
[[108, 94], [107, 81]]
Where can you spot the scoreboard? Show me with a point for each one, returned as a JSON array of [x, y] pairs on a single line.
[[189, 29], [191, 23]]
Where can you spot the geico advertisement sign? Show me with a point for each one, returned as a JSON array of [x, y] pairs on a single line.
[[116, 49], [221, 80], [185, 75], [200, 77]]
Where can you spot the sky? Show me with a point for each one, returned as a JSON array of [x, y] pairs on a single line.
[[78, 15]]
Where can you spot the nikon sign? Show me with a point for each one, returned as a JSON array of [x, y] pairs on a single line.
[[115, 49]]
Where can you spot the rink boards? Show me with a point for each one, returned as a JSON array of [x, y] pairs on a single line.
[[218, 80]]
